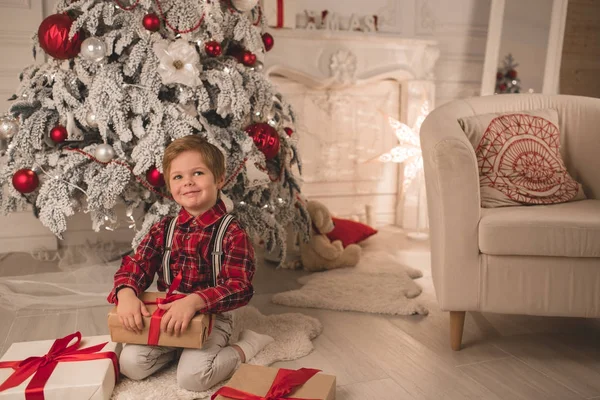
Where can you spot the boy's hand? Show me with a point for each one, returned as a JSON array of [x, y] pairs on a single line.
[[179, 313], [130, 310]]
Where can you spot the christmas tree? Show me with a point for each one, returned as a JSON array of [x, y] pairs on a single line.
[[123, 78], [506, 77]]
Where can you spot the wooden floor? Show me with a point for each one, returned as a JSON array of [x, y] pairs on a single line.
[[387, 358]]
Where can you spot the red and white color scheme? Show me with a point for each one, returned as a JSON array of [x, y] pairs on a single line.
[[67, 368], [279, 13], [519, 159]]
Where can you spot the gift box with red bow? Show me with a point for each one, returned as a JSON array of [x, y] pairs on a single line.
[[279, 13], [254, 382], [69, 368], [193, 337]]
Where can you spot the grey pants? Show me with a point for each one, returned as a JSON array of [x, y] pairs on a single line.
[[197, 370]]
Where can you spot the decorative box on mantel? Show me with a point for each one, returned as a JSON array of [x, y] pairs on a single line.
[[342, 84]]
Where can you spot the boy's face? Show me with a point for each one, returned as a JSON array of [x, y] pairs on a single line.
[[192, 184]]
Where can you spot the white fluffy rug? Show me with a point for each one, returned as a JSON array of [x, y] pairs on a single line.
[[292, 332], [378, 284]]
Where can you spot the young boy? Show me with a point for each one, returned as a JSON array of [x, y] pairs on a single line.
[[194, 171]]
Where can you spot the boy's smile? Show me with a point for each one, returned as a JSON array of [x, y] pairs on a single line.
[[192, 183]]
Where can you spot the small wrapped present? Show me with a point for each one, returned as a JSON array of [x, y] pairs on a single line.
[[64, 369], [253, 382], [279, 13], [193, 337]]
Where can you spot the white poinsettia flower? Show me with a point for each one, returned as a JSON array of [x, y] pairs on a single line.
[[179, 62]]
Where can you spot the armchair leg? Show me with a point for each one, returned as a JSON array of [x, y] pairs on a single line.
[[457, 323]]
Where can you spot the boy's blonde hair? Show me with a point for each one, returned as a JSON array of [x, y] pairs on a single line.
[[211, 155]]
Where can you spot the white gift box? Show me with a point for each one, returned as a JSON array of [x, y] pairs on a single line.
[[70, 380], [280, 13]]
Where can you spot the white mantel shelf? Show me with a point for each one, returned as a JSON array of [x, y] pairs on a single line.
[[321, 58]]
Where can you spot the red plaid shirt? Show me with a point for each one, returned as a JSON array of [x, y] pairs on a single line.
[[190, 253]]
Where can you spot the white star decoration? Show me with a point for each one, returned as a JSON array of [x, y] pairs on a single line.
[[408, 150]]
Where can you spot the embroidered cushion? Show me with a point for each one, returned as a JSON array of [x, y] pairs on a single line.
[[519, 160], [349, 232]]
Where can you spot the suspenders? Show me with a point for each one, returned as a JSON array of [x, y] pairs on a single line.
[[216, 244]]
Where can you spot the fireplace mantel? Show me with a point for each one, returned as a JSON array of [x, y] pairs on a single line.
[[341, 83], [342, 58]]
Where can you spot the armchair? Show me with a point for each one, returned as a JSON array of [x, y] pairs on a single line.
[[536, 260]]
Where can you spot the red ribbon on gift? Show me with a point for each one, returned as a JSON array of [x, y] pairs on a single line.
[[42, 367], [285, 382], [154, 329], [280, 19]]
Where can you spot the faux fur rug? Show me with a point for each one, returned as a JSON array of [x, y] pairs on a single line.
[[378, 284], [292, 332]]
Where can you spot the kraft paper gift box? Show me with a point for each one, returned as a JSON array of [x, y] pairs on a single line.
[[193, 337], [279, 13], [257, 380], [84, 379]]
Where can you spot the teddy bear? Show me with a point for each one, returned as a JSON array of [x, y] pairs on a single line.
[[319, 253]]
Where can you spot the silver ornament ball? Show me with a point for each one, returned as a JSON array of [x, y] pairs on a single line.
[[258, 66], [91, 119], [93, 49], [8, 128], [104, 153], [244, 5]]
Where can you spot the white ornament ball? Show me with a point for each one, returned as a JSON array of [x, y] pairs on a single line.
[[91, 120], [258, 66], [104, 153], [244, 5], [8, 128], [93, 49]]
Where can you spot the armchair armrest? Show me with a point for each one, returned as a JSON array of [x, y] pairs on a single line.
[[453, 200]]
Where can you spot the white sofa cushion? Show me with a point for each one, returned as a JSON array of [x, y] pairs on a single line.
[[562, 230]]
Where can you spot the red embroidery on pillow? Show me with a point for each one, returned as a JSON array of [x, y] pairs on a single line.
[[519, 155]]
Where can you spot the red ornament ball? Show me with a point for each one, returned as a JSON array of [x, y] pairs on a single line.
[[512, 74], [248, 59], [155, 178], [265, 138], [268, 41], [499, 75], [213, 48], [151, 22], [25, 180], [289, 131], [58, 134], [502, 87], [53, 35]]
